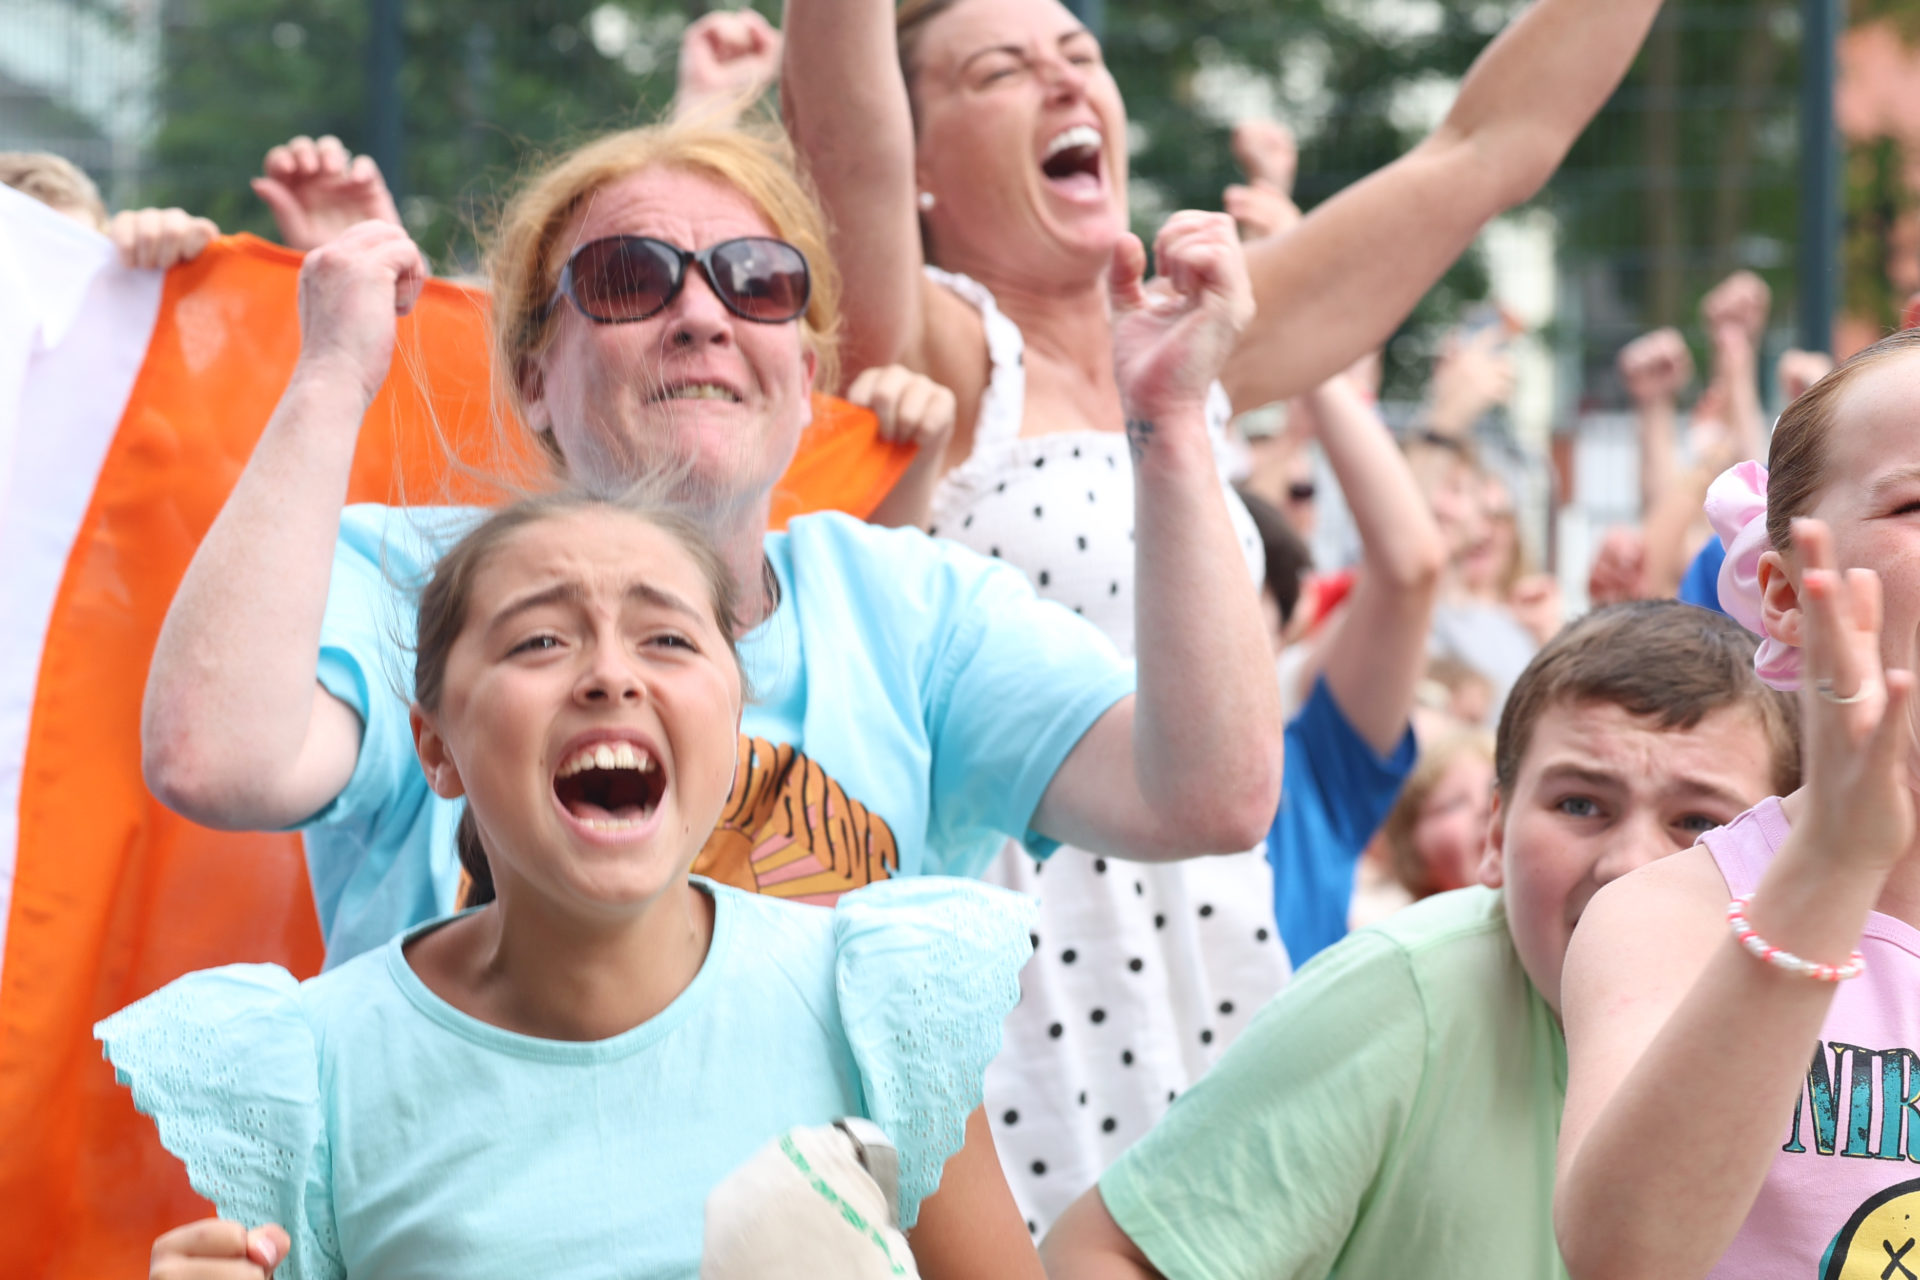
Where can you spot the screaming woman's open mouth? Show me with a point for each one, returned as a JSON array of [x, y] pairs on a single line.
[[1073, 160]]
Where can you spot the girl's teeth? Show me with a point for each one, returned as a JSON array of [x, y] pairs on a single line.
[[609, 755], [613, 824]]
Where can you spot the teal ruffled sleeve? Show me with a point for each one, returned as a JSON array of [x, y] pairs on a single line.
[[927, 969], [227, 1067]]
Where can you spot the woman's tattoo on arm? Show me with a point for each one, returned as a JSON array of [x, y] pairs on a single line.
[[1139, 431]]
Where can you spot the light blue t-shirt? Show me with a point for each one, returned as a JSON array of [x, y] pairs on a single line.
[[1335, 791], [393, 1135], [932, 693]]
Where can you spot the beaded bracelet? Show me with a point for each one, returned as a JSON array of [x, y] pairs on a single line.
[[1761, 949]]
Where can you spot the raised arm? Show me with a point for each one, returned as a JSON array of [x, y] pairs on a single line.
[[1344, 278], [1656, 367], [1191, 763], [727, 59], [1660, 1162], [1374, 660], [845, 105], [236, 732], [1735, 312]]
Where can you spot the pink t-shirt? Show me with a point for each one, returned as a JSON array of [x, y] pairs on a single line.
[[1843, 1197]]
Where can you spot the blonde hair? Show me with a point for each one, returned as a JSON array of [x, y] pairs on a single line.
[[55, 182], [528, 252]]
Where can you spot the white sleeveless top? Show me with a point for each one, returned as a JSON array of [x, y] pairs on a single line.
[[1142, 973], [1059, 507]]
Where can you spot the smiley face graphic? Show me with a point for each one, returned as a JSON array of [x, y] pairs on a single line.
[[1878, 1242]]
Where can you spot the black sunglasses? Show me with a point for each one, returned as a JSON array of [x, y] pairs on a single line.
[[624, 278]]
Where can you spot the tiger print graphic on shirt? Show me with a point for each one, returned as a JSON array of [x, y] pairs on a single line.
[[791, 831]]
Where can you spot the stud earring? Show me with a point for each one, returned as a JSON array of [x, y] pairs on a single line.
[[926, 202]]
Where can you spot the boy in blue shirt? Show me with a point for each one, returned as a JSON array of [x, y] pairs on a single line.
[[1349, 747]]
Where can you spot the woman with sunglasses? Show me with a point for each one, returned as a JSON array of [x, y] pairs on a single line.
[[663, 304]]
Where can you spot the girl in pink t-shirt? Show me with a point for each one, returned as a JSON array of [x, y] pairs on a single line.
[[1737, 1105]]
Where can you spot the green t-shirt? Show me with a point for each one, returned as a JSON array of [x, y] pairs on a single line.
[[1392, 1112]]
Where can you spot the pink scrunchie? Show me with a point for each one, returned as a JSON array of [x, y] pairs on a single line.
[[1737, 508]]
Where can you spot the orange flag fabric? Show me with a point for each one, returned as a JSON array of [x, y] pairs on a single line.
[[112, 895]]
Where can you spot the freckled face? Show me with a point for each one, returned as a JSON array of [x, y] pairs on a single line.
[[1022, 140], [1601, 792], [589, 713], [692, 387]]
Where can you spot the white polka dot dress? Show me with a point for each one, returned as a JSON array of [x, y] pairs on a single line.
[[1142, 973]]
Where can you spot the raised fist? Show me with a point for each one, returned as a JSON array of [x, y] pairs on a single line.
[[1741, 299], [727, 59], [1656, 366], [1799, 370], [1267, 153], [351, 291], [1172, 334]]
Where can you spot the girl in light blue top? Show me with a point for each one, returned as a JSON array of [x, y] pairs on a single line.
[[551, 1084]]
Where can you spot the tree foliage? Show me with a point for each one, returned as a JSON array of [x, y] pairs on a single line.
[[1689, 171], [483, 84]]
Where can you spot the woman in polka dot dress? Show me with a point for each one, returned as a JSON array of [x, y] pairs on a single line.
[[989, 137], [1142, 972]]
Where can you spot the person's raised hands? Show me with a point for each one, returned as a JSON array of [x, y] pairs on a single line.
[[1263, 205], [1172, 334], [1267, 153], [158, 238], [351, 290], [1799, 370], [1656, 367], [1259, 211], [1472, 374], [1735, 355], [316, 190], [1619, 568], [1535, 603], [1854, 724], [1711, 439], [727, 59], [911, 408], [1742, 299], [215, 1249]]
